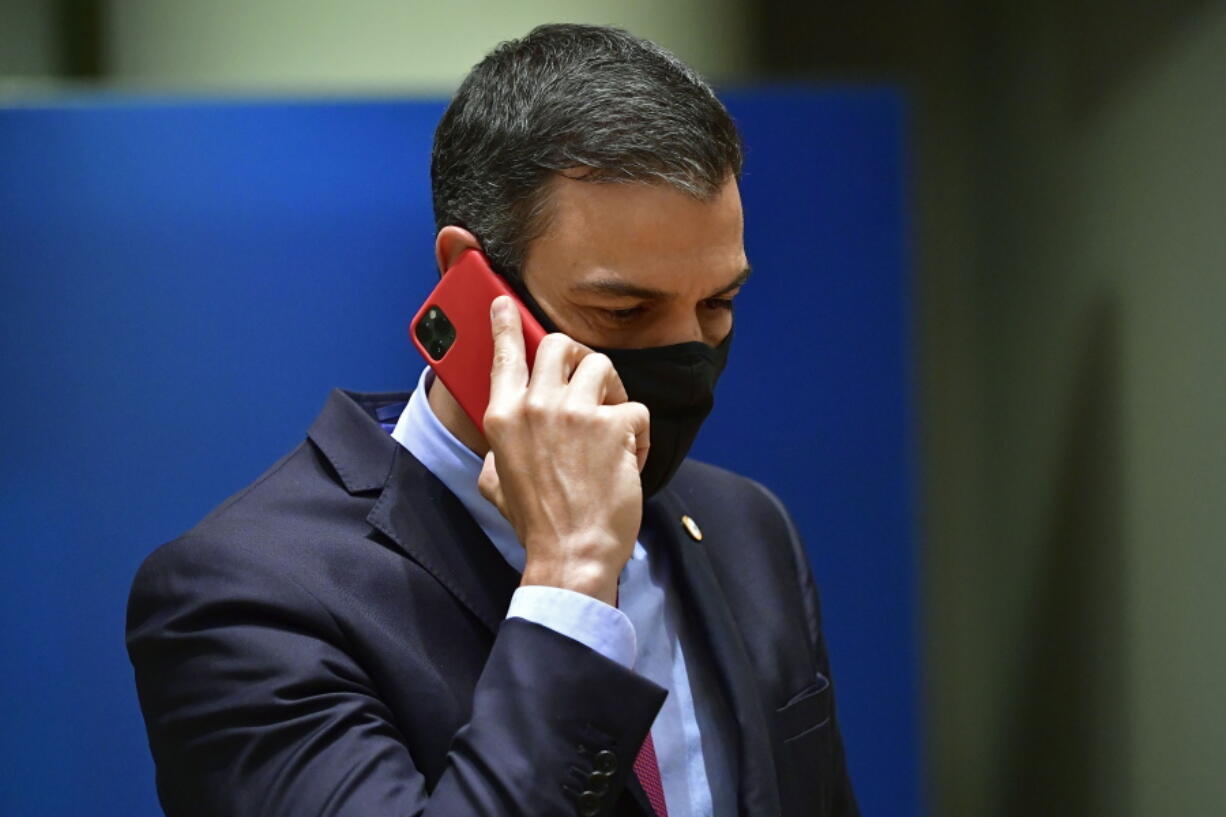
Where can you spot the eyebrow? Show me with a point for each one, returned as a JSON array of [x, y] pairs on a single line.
[[624, 289]]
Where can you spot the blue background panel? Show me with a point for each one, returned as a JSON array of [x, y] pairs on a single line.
[[181, 283]]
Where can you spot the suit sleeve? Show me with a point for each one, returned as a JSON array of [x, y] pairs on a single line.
[[255, 705], [843, 802]]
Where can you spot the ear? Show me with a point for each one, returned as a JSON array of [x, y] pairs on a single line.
[[450, 242]]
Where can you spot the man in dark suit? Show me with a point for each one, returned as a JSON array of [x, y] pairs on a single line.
[[556, 615]]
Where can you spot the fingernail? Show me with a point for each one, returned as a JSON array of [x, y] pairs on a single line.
[[498, 309]]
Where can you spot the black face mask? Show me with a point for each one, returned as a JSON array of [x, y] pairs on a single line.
[[676, 383]]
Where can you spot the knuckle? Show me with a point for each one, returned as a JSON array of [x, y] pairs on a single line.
[[600, 360], [601, 365], [502, 355], [535, 407], [574, 415], [496, 420]]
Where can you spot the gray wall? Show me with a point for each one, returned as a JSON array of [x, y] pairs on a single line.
[[1070, 180], [380, 45], [1101, 278], [28, 45]]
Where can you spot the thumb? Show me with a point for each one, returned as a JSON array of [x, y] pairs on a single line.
[[489, 484]]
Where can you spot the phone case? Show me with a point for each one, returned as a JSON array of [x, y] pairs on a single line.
[[463, 297]]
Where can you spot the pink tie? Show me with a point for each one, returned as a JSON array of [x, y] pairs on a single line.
[[647, 770]]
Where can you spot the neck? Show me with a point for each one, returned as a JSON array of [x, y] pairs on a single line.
[[453, 418]]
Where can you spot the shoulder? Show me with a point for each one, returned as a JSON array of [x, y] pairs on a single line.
[[257, 541]]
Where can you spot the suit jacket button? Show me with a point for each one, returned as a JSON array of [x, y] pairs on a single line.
[[606, 761], [589, 804], [598, 782]]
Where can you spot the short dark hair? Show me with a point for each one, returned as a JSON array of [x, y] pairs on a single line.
[[572, 97]]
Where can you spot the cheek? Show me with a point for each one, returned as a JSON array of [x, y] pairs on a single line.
[[716, 324]]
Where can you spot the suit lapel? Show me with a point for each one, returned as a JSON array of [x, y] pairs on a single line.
[[757, 788], [428, 522], [414, 509]]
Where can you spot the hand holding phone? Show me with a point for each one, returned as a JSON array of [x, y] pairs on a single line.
[[566, 446]]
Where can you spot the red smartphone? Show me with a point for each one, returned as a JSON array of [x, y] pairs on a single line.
[[452, 331]]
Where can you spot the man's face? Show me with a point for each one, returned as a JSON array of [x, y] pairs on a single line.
[[633, 265]]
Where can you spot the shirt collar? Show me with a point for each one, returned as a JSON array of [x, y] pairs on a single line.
[[456, 466]]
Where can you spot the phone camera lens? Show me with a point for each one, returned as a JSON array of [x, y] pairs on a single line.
[[435, 333]]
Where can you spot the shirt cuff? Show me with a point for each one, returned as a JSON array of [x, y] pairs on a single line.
[[587, 620]]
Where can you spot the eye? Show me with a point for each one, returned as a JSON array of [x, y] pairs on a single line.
[[623, 315], [718, 303]]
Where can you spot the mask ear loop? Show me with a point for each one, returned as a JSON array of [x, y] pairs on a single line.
[[525, 297]]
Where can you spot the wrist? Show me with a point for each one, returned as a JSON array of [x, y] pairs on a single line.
[[590, 577]]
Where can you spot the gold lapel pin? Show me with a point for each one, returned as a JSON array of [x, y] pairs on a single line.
[[691, 527]]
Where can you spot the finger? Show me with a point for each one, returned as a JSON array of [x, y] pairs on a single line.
[[596, 381], [489, 484], [637, 420], [509, 372], [556, 359]]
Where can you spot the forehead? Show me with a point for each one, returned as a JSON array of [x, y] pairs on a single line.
[[653, 234]]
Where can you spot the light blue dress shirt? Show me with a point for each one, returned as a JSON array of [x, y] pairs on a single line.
[[693, 733]]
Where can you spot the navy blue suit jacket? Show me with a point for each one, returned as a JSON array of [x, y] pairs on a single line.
[[331, 641]]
